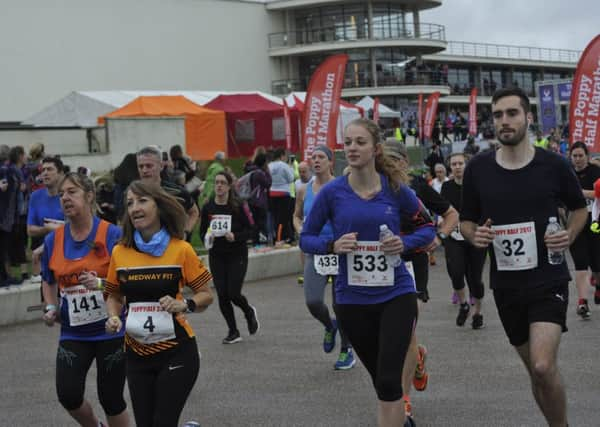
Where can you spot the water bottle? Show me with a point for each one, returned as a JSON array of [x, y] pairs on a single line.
[[393, 260], [208, 240], [554, 258]]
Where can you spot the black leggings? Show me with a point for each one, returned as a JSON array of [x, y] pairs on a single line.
[[420, 262], [280, 209], [160, 384], [73, 361], [228, 271], [380, 335], [464, 260]]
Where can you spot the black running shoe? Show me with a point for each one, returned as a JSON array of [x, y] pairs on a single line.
[[477, 321], [463, 313], [253, 324], [232, 338]]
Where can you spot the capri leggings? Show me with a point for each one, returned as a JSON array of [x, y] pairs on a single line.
[[314, 295], [585, 250], [420, 263], [464, 260], [380, 335], [160, 384], [73, 361]]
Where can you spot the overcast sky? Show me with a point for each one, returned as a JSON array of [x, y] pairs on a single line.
[[561, 24]]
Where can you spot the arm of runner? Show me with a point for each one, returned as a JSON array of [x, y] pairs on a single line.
[[192, 219], [197, 277], [448, 225], [562, 240], [424, 228], [299, 210], [51, 300], [310, 241], [480, 236], [114, 306]]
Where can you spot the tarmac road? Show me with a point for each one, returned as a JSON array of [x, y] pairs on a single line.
[[281, 377]]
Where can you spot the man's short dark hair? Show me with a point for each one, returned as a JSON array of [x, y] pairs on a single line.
[[512, 91], [56, 161], [278, 153]]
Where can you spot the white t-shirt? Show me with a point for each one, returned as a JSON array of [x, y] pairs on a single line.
[[437, 185]]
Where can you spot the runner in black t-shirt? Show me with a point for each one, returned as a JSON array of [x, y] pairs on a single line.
[[585, 250], [414, 365], [463, 260], [508, 196]]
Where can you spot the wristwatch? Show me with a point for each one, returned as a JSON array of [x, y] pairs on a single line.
[[191, 305], [442, 236]]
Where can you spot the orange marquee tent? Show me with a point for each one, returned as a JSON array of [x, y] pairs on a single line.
[[204, 128]]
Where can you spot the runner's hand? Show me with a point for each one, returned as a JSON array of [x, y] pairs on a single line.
[[345, 244], [113, 324], [172, 305], [392, 245], [484, 235], [558, 241], [89, 279], [229, 236], [433, 245], [49, 318]]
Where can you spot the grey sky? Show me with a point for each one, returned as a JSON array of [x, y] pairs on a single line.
[[559, 24]]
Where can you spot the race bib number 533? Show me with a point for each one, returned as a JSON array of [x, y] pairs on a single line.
[[367, 266], [515, 246]]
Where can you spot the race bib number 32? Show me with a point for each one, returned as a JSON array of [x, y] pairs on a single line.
[[148, 323], [515, 246], [367, 266]]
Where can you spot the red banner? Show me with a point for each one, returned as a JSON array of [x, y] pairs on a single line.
[[584, 110], [288, 126], [473, 112], [430, 114], [420, 115], [322, 104], [376, 110]]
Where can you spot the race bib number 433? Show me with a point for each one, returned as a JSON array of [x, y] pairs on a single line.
[[367, 266], [148, 323], [326, 265], [515, 246]]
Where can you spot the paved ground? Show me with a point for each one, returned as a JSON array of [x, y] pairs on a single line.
[[282, 378]]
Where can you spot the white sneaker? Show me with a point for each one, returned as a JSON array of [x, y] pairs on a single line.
[[36, 278]]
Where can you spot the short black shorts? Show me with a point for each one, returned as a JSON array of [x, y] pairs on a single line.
[[518, 308], [585, 250]]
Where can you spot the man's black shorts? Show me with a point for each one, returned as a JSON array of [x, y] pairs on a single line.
[[518, 308]]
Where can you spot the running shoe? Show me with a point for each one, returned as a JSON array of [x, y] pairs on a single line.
[[345, 361], [421, 377], [36, 278], [253, 323], [329, 338], [431, 258], [300, 280], [329, 280], [597, 296], [463, 313], [583, 310], [407, 406], [191, 424], [477, 321], [409, 422], [455, 299], [232, 338]]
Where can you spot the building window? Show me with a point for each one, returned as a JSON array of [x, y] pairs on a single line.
[[278, 126]]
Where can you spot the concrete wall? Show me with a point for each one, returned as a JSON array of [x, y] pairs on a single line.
[[49, 49], [128, 135], [65, 142], [15, 300]]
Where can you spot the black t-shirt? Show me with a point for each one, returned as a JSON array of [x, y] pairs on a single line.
[[179, 192], [429, 198], [240, 227], [587, 177], [452, 192], [530, 194]]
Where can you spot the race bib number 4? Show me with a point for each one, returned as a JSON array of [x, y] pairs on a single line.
[[367, 266], [148, 323], [515, 246], [326, 265], [220, 224], [85, 306]]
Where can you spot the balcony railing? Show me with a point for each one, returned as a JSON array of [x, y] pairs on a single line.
[[487, 50], [365, 79], [349, 32]]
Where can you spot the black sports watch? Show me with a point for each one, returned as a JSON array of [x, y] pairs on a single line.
[[442, 236], [191, 305]]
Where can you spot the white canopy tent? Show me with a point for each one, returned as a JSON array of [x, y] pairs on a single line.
[[367, 103]]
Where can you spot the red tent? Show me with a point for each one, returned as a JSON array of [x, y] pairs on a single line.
[[252, 120]]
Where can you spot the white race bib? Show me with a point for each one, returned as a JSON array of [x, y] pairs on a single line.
[[515, 246], [368, 266], [220, 225], [148, 323], [326, 265], [85, 306]]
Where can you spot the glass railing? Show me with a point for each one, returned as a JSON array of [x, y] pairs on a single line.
[[488, 50], [348, 32]]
